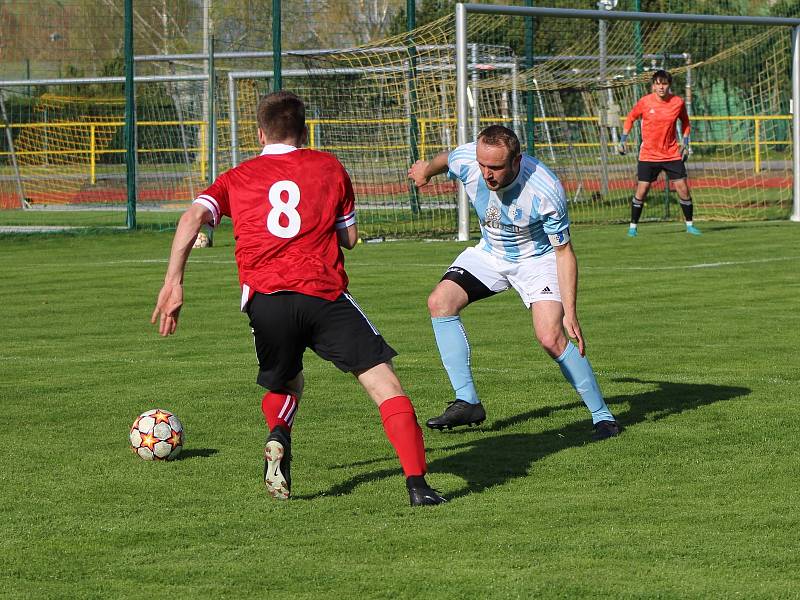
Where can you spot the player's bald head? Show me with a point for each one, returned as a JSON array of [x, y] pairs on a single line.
[[281, 116], [497, 135], [498, 155]]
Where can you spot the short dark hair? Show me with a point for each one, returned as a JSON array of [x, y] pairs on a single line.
[[662, 75], [281, 115], [497, 135]]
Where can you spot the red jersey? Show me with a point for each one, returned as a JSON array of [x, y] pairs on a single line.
[[659, 117], [286, 206]]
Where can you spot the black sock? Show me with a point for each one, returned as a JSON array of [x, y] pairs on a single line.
[[688, 209], [416, 481], [637, 206]]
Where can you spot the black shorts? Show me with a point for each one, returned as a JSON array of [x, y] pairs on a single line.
[[648, 171], [286, 323], [473, 286]]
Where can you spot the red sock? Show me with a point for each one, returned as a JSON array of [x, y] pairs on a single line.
[[279, 410], [404, 433]]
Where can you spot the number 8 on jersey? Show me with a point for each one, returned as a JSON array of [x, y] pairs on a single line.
[[288, 208]]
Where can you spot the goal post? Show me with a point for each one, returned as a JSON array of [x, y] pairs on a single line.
[[463, 112], [796, 121]]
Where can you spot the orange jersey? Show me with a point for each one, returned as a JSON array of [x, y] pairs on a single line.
[[659, 117]]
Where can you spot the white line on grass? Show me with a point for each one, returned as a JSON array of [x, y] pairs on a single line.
[[143, 261], [698, 265], [665, 268]]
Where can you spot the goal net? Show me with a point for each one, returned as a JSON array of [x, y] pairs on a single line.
[[66, 146], [394, 101], [381, 106]]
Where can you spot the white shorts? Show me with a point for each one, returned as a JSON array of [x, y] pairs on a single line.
[[535, 279]]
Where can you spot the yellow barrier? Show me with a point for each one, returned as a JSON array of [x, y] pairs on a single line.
[[756, 142], [424, 125]]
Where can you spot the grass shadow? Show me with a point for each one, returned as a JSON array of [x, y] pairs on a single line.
[[487, 461], [495, 460], [197, 453]]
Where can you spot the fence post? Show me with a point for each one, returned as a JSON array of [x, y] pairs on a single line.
[[212, 124], [92, 161], [234, 120], [277, 49], [758, 146], [462, 110], [203, 151], [211, 139], [413, 125], [10, 139], [130, 117], [795, 124], [528, 64], [422, 126]]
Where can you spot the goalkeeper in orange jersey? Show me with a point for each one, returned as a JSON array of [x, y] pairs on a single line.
[[660, 150]]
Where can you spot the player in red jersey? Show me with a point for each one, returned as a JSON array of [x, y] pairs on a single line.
[[660, 112], [292, 211]]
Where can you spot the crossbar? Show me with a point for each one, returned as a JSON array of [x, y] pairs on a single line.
[[575, 13]]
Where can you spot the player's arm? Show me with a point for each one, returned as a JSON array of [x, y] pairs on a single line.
[[636, 113], [422, 171], [567, 271], [348, 237], [170, 298], [346, 225], [685, 130]]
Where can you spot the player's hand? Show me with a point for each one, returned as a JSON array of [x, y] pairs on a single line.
[[417, 173], [621, 146], [685, 152], [573, 329], [168, 308]]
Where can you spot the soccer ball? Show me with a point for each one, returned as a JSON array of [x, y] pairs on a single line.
[[201, 241], [157, 435]]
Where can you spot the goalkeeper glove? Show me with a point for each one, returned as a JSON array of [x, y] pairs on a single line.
[[685, 151], [621, 146]]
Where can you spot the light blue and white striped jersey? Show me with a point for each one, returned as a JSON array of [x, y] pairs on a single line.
[[517, 219]]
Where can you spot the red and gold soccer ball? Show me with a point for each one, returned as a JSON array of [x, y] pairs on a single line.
[[201, 241], [157, 435]]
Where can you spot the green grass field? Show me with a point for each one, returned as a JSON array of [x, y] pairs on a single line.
[[694, 341]]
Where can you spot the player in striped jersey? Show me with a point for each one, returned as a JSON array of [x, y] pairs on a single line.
[[293, 210], [525, 244], [660, 113]]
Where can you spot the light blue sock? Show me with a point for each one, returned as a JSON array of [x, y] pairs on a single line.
[[578, 371], [454, 350]]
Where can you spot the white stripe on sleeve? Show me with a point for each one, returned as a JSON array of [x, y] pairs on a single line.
[[210, 204], [345, 220]]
